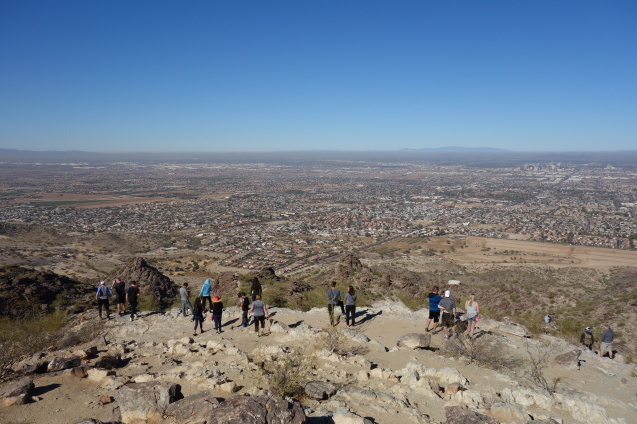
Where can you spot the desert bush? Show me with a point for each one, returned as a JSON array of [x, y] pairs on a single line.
[[286, 374], [486, 350], [538, 359]]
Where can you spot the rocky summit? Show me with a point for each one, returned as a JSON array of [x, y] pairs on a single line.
[[385, 369]]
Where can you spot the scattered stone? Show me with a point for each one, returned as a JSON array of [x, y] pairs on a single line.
[[89, 421], [453, 388], [264, 409], [146, 401], [569, 360], [193, 409], [279, 327], [319, 390], [345, 416], [104, 399], [448, 376], [508, 412], [109, 362], [415, 341], [80, 372], [98, 375], [38, 367], [60, 363], [461, 415], [17, 392]]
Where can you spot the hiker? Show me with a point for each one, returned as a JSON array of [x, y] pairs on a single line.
[[350, 306], [587, 339], [119, 287], [197, 315], [102, 295], [434, 310], [606, 345], [132, 296], [473, 309], [217, 310], [333, 297], [448, 308], [255, 288], [184, 293], [244, 304], [260, 312], [204, 294]]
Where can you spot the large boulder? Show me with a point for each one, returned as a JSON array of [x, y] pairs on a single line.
[[17, 392], [508, 412], [60, 363], [151, 281], [319, 390], [263, 409], [414, 341], [193, 409], [569, 359], [143, 402]]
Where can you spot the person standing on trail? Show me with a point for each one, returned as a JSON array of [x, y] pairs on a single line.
[[132, 297], [260, 313], [608, 335], [448, 307], [473, 309], [434, 309], [184, 293], [255, 288], [587, 339], [204, 294], [350, 306], [217, 310], [333, 299], [119, 287], [244, 304], [197, 316], [102, 295]]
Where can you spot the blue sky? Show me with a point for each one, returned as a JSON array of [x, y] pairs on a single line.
[[318, 74]]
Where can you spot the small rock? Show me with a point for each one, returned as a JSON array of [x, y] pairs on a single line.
[[17, 392], [415, 341], [104, 399], [108, 362], [461, 415], [319, 390], [60, 363]]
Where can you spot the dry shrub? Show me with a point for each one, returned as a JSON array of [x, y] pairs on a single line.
[[538, 359], [484, 349], [286, 374]]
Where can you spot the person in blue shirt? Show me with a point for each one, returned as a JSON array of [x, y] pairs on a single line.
[[204, 294], [434, 311]]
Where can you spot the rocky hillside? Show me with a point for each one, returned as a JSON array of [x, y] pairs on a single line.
[[384, 370], [151, 282]]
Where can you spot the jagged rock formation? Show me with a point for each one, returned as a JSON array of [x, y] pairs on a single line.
[[226, 285], [27, 291], [150, 280]]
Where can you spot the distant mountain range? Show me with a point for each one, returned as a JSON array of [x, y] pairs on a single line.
[[455, 149]]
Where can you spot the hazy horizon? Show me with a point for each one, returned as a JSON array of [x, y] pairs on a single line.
[[357, 75]]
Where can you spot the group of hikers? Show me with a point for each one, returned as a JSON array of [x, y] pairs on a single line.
[[442, 309], [123, 296]]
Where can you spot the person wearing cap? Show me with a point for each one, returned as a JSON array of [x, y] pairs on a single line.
[[102, 296], [217, 310], [587, 339], [448, 308], [606, 345]]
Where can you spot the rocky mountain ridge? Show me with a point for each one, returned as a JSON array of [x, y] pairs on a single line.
[[386, 369]]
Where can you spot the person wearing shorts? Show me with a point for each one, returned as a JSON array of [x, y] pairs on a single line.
[[448, 307], [434, 309]]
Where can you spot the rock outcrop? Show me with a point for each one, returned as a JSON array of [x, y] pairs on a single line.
[[150, 280]]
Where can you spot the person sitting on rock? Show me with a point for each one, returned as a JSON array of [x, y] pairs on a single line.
[[197, 316], [217, 310], [587, 339]]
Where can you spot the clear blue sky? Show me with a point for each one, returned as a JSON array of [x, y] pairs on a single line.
[[238, 75]]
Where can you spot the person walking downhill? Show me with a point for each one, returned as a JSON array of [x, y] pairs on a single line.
[[244, 304], [350, 306], [184, 293], [217, 310], [119, 287], [260, 313], [204, 294], [434, 309], [132, 297], [255, 288], [102, 296], [333, 298], [473, 309], [197, 316]]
